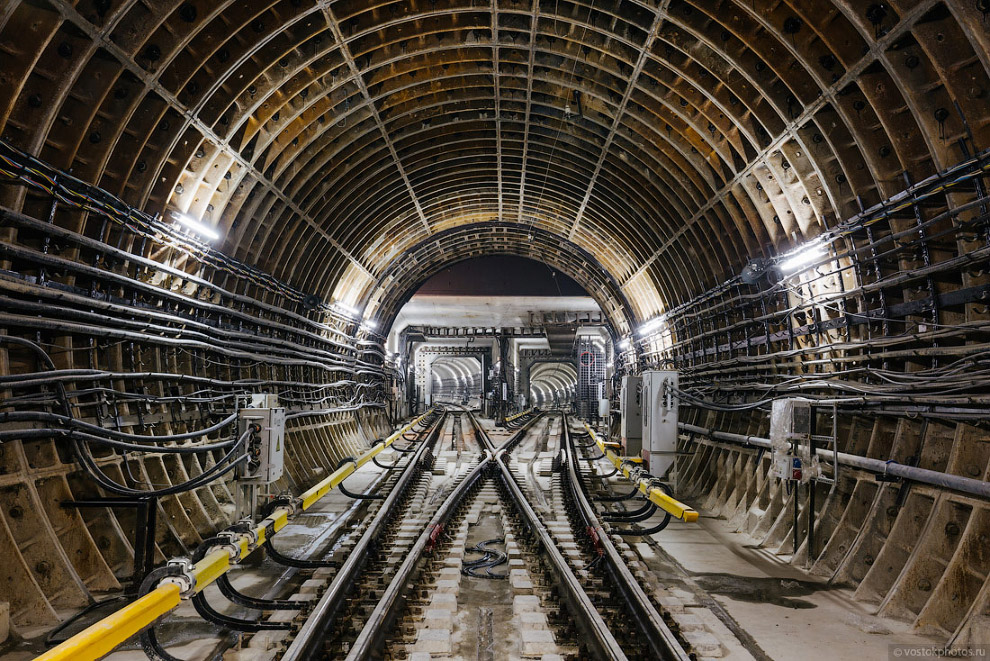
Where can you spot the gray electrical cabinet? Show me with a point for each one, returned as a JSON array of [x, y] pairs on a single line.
[[265, 445], [631, 412], [659, 420]]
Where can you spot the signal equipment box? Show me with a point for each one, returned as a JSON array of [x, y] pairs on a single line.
[[660, 404], [265, 444], [631, 412]]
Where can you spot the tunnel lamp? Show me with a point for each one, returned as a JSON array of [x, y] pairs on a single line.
[[651, 326], [349, 310], [196, 227], [625, 345], [802, 258]]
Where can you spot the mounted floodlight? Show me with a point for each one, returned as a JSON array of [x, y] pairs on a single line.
[[802, 258], [349, 310], [196, 227], [369, 324], [652, 326], [625, 345]]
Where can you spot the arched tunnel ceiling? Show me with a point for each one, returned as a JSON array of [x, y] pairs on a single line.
[[666, 140]]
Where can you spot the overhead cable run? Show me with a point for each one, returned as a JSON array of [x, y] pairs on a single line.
[[183, 351], [859, 317]]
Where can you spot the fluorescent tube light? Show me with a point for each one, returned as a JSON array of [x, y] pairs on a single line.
[[196, 227], [803, 257]]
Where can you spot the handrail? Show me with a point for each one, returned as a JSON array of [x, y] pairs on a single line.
[[657, 496], [102, 637]]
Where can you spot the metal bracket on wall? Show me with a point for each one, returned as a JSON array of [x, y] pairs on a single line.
[[144, 530]]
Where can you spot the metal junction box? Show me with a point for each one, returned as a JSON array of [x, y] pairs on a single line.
[[790, 440], [631, 412], [265, 448], [659, 420]]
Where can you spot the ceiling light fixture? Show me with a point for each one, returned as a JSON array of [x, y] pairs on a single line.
[[656, 324]]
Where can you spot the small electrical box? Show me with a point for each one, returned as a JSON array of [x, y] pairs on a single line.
[[266, 443], [631, 415], [790, 439]]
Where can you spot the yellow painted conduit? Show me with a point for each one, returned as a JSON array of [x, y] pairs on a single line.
[[102, 637], [656, 496]]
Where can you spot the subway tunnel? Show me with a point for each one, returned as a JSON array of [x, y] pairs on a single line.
[[637, 328]]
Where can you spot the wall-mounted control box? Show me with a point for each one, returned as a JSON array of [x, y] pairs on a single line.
[[660, 404], [265, 445], [790, 438]]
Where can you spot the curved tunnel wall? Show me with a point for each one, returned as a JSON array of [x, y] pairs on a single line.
[[669, 143]]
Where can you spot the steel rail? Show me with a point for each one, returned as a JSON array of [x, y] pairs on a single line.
[[372, 635], [308, 642], [597, 635], [661, 640]]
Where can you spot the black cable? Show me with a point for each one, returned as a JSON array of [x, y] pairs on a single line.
[[49, 637], [645, 531], [491, 558], [616, 499], [350, 494], [632, 517], [214, 473], [17, 434], [83, 457], [149, 638], [207, 612], [75, 422], [281, 559], [623, 515], [655, 483], [228, 590]]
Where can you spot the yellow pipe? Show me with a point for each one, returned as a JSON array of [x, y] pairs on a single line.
[[656, 496], [99, 639]]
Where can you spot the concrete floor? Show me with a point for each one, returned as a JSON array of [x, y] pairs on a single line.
[[787, 614]]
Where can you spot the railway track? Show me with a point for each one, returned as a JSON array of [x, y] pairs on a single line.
[[476, 548], [483, 574], [338, 618]]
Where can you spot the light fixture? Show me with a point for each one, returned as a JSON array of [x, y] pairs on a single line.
[[625, 345], [649, 327], [196, 227], [369, 324], [802, 257], [345, 308]]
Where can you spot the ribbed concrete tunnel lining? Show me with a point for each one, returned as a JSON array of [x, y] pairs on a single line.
[[650, 150], [351, 133]]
